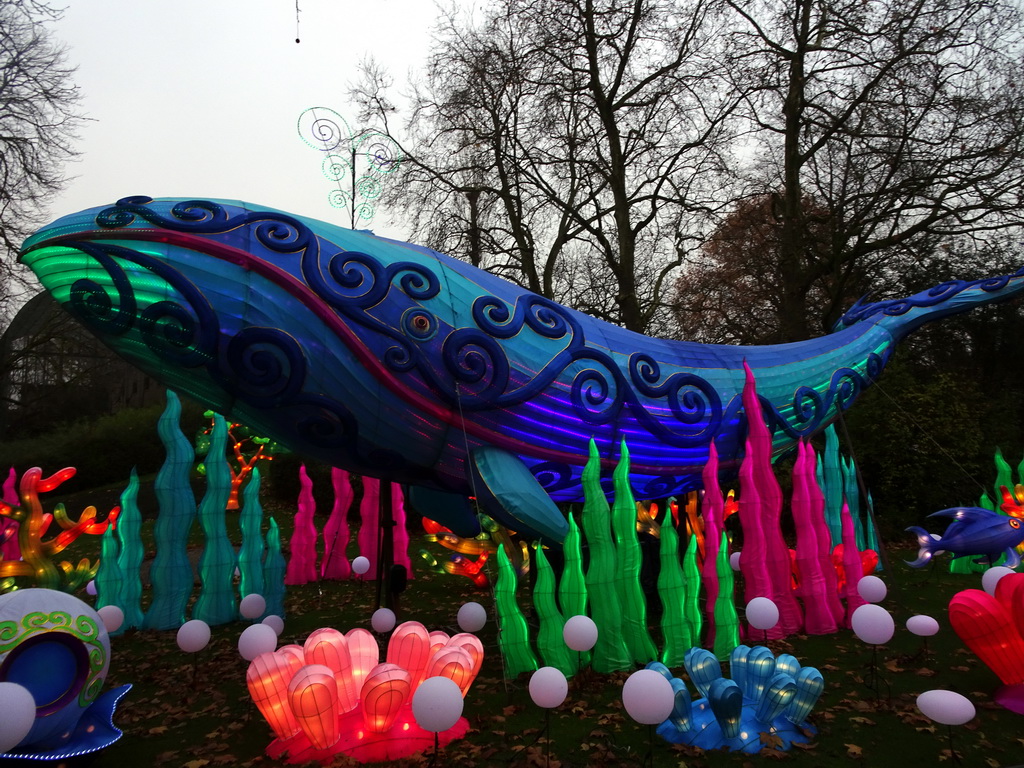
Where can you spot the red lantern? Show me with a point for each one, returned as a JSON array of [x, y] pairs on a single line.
[[267, 679], [364, 654], [385, 691], [454, 663], [313, 695], [330, 648], [409, 648], [988, 629]]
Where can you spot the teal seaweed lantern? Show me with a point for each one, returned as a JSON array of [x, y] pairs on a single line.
[[130, 555], [216, 603], [273, 572], [250, 555], [171, 573]]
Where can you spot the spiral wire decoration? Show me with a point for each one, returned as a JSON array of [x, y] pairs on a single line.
[[325, 130]]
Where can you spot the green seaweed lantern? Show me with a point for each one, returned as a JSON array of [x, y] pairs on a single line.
[[672, 589], [572, 586], [513, 633], [36, 565], [609, 654], [632, 603], [549, 635], [691, 575], [727, 635]]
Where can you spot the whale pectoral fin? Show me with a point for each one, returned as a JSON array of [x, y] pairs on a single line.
[[452, 510], [511, 495]]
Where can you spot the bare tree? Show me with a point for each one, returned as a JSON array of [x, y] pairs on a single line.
[[733, 293], [37, 127], [901, 120], [555, 140]]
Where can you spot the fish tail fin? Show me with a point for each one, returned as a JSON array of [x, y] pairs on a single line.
[[1012, 558], [925, 542]]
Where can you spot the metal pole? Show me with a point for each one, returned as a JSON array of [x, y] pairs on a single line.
[[352, 220]]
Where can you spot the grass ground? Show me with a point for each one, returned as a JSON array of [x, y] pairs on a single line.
[[195, 711]]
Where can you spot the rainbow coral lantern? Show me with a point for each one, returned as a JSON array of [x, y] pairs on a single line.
[[305, 693], [37, 565], [766, 695], [56, 647]]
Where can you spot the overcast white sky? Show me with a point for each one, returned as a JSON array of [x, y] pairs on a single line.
[[200, 98]]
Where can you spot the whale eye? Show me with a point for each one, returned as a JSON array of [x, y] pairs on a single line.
[[1014, 522], [419, 324]]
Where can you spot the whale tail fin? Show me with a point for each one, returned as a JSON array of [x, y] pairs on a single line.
[[927, 547], [902, 316]]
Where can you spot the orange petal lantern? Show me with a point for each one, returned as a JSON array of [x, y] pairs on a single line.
[[330, 648], [313, 696], [303, 701], [470, 644], [409, 648], [294, 650], [454, 663], [386, 690], [364, 654], [438, 640], [267, 679]]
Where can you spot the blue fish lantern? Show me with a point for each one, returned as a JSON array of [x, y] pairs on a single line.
[[973, 531], [394, 361]]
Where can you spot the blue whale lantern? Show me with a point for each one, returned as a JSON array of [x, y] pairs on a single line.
[[394, 361]]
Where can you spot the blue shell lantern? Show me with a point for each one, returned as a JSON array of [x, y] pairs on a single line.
[[766, 695], [57, 647]]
